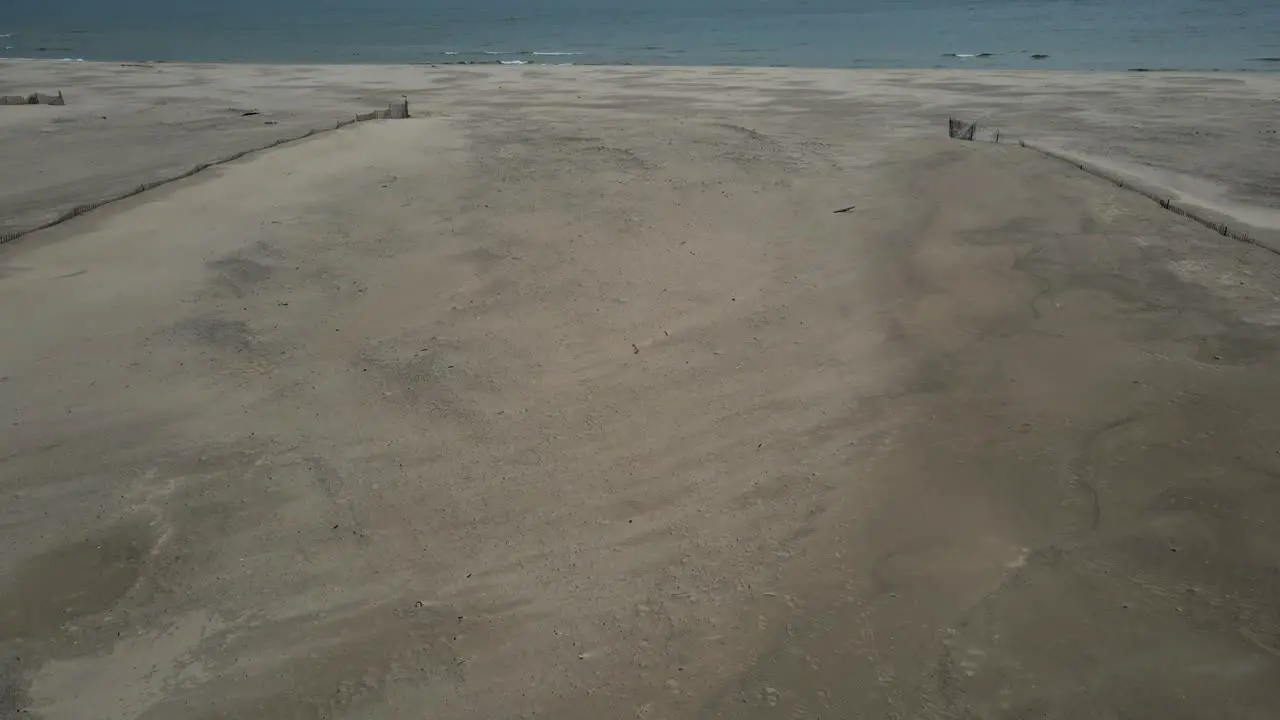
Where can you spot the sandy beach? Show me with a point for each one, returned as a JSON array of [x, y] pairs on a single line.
[[1210, 139], [574, 396]]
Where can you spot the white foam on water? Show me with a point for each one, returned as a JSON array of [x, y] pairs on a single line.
[[527, 52], [515, 62], [43, 59]]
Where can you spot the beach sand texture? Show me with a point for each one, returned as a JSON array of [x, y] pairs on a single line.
[[573, 397], [1210, 139]]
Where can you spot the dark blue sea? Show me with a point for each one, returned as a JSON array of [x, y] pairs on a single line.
[[1069, 34]]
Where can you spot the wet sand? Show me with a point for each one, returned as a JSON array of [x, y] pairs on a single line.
[[581, 407]]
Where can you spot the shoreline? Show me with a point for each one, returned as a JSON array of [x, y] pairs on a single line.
[[1267, 65]]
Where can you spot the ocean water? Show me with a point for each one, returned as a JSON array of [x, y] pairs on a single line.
[[1073, 34]]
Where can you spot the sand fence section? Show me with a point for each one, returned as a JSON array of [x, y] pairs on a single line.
[[37, 98], [398, 110], [1217, 222], [1220, 223]]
